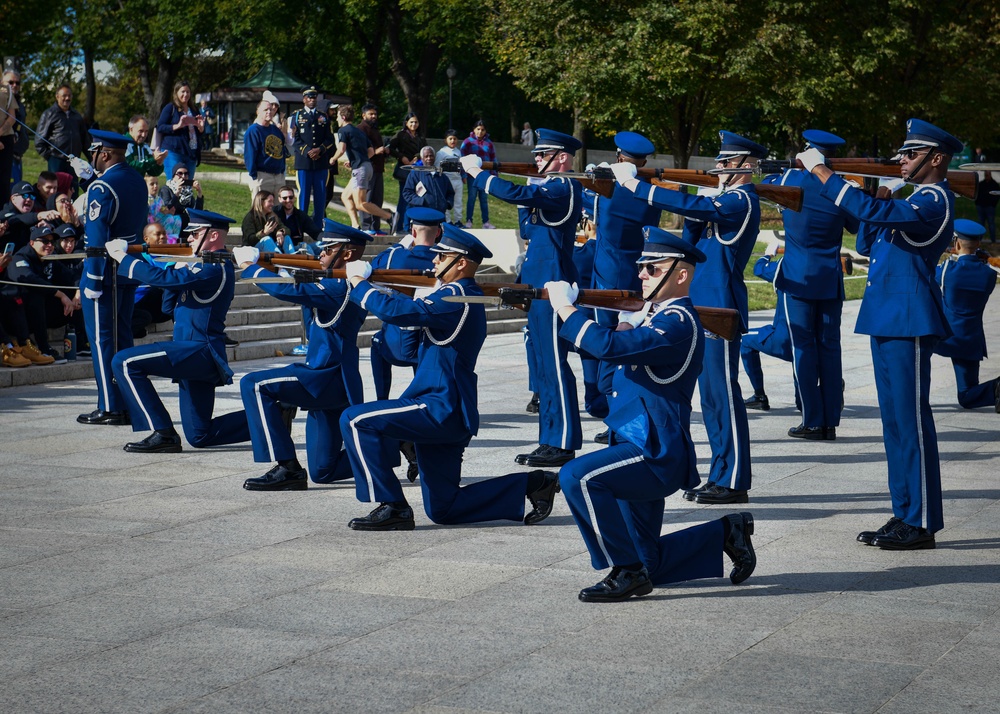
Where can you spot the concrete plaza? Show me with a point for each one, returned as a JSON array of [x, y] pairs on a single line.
[[136, 583]]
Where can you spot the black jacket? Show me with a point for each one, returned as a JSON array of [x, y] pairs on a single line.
[[68, 132]]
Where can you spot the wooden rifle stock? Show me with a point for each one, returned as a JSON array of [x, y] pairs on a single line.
[[786, 196], [169, 249]]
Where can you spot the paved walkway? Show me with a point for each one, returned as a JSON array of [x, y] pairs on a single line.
[[156, 584]]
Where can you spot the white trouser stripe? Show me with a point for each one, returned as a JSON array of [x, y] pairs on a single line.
[[562, 392], [131, 384], [920, 438], [732, 419], [585, 483], [357, 440], [791, 340], [96, 349], [260, 409]]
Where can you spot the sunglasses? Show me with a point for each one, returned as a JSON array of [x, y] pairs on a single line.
[[653, 270], [46, 241], [910, 153], [181, 173], [29, 196], [288, 198], [13, 83]]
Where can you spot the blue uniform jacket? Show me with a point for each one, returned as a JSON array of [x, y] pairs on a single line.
[[651, 399], [200, 296], [725, 229], [452, 335], [811, 267], [583, 259], [554, 208], [620, 220], [333, 334], [403, 344], [116, 208], [904, 239], [966, 285], [310, 131]]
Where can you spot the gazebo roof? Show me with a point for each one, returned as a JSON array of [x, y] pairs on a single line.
[[274, 75]]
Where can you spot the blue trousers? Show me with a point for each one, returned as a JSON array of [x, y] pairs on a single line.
[[617, 502], [470, 203], [606, 370], [312, 184], [384, 357], [263, 394], [725, 415], [595, 402], [988, 217], [814, 328], [763, 339], [903, 381], [372, 433], [98, 316], [972, 394], [559, 411], [530, 354], [133, 368]]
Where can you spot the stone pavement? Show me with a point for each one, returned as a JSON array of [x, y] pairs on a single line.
[[156, 584]]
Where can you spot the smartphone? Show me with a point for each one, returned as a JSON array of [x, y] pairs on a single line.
[[8, 249], [187, 182]]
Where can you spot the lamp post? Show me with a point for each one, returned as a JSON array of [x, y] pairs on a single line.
[[451, 72]]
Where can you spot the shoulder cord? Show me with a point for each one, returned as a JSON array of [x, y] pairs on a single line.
[[347, 299], [947, 216], [461, 322], [572, 199], [682, 312], [217, 292], [746, 220]]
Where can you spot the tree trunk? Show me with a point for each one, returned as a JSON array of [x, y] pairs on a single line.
[[417, 85], [370, 36], [580, 132], [90, 86], [515, 131]]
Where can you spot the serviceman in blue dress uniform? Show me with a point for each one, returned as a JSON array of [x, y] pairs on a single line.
[[595, 402], [724, 227], [312, 146], [325, 384], [966, 283], [773, 339], [903, 312], [555, 206], [116, 209], [620, 220], [812, 285], [438, 411], [393, 345], [617, 494], [199, 295]]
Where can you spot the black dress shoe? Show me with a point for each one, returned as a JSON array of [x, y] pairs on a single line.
[[279, 479], [758, 401], [551, 458], [692, 493], [230, 342], [603, 438], [620, 585], [409, 452], [867, 537], [523, 458], [739, 548], [813, 433], [387, 517], [720, 494], [996, 395], [156, 443], [542, 498], [905, 537], [99, 416], [829, 433], [533, 405]]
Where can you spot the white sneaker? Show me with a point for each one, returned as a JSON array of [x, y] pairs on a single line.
[[489, 226], [468, 224]]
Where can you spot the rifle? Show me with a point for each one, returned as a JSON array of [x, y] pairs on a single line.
[[964, 183], [178, 252], [394, 277], [603, 186]]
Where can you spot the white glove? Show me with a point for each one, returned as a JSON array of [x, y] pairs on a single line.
[[358, 269], [561, 293], [634, 318], [624, 172], [81, 168], [406, 241], [772, 249], [893, 184], [811, 158], [471, 162], [92, 294], [116, 249], [245, 254]]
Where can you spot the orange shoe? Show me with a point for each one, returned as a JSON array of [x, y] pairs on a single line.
[[12, 358], [33, 354]]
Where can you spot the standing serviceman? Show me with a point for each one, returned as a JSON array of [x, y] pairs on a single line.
[[116, 209], [553, 212], [724, 227], [903, 312], [966, 284], [312, 144], [811, 283], [619, 221]]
